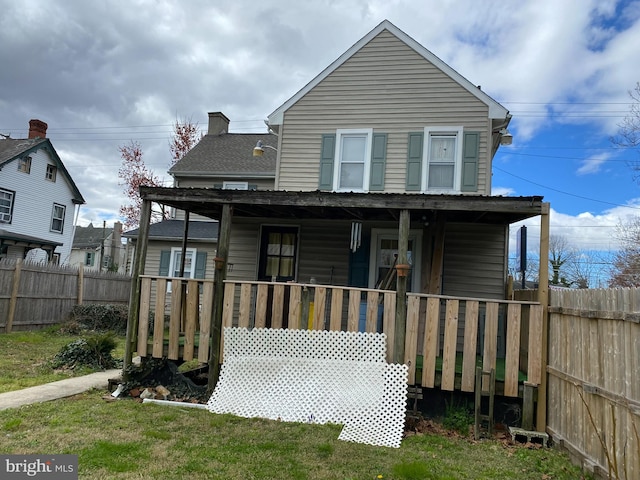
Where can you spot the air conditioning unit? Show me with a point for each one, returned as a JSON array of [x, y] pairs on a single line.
[[5, 217]]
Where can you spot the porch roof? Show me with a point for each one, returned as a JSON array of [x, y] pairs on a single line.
[[346, 206]]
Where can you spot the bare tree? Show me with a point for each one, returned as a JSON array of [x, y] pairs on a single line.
[[134, 173], [628, 135], [559, 254], [625, 270]]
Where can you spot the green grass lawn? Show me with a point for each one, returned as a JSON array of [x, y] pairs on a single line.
[[25, 358], [124, 439], [129, 440]]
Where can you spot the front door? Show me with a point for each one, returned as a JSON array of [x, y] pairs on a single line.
[[383, 258]]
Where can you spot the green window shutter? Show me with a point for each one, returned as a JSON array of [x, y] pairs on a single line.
[[414, 161], [165, 260], [201, 264], [378, 161], [470, 149], [326, 162]]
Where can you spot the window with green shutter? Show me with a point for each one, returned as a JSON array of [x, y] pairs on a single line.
[[353, 160], [442, 160]]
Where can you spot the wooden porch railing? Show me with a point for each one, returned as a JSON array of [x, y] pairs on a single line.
[[446, 337]]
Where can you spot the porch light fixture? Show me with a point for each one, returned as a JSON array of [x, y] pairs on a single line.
[[505, 137], [258, 150]]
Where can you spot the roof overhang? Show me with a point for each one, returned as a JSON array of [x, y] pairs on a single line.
[[345, 206], [10, 238]]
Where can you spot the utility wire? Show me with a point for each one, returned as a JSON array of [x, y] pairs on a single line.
[[565, 193]]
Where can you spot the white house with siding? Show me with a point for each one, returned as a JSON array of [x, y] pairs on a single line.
[[38, 199]]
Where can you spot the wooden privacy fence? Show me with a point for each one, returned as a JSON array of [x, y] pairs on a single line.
[[444, 334], [594, 378], [34, 295]]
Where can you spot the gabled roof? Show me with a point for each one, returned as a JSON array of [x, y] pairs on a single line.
[[229, 154], [173, 230], [12, 149], [90, 236], [496, 111]]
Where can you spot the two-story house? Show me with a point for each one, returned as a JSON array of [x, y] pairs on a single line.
[[99, 248], [38, 199], [381, 203], [387, 126]]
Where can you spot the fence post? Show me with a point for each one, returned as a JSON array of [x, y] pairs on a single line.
[[14, 296], [80, 284]]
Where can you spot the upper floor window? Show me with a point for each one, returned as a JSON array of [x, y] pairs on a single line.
[[6, 205], [235, 185], [57, 218], [442, 159], [24, 165], [51, 173], [352, 160]]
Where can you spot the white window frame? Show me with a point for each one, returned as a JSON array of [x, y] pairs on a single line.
[[24, 164], [429, 132], [51, 172], [174, 265], [235, 185], [5, 217], [415, 236], [352, 132], [61, 219]]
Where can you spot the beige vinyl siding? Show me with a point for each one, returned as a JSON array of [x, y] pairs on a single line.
[[474, 260], [386, 86], [323, 250]]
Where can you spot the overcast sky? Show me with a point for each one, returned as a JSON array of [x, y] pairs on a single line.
[[102, 73]]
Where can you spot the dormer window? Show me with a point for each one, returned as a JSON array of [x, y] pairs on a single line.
[[24, 165], [51, 173]]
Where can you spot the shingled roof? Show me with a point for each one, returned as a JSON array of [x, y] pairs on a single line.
[[229, 154], [174, 229]]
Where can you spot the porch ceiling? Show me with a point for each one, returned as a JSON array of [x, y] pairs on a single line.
[[345, 206]]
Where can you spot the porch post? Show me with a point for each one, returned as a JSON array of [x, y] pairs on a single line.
[[543, 298], [134, 298], [401, 288], [222, 254]]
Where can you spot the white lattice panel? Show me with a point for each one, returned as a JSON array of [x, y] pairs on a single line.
[[314, 376], [307, 344]]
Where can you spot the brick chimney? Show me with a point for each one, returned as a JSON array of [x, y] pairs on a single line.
[[37, 129], [218, 123]]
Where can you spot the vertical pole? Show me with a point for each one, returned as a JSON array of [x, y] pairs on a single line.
[[14, 296], [543, 298], [80, 283], [183, 259], [222, 255], [134, 299], [401, 288]]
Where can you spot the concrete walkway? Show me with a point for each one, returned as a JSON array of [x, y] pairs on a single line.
[[59, 389]]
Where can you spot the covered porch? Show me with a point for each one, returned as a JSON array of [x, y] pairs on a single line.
[[442, 338]]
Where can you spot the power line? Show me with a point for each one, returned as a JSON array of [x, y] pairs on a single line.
[[565, 193]]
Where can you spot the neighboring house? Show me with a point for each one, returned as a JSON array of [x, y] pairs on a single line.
[[38, 199], [164, 251], [219, 160], [99, 248]]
